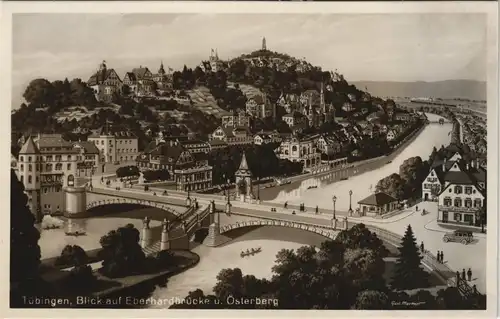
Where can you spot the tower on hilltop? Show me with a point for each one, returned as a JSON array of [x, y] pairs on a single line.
[[264, 47]]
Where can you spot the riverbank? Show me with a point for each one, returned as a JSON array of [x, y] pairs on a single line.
[[362, 178]]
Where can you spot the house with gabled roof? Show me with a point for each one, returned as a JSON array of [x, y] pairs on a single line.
[[233, 135], [377, 204], [190, 171], [105, 83]]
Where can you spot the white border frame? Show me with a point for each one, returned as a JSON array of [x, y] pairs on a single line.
[[489, 8]]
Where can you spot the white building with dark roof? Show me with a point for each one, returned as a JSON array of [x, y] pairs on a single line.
[[105, 82], [46, 164], [115, 144]]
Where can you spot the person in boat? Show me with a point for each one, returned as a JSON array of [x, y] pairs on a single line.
[[293, 213], [164, 193], [248, 251]]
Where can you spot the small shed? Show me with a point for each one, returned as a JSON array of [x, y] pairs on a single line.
[[377, 204]]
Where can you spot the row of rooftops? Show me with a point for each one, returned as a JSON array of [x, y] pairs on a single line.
[[54, 143]]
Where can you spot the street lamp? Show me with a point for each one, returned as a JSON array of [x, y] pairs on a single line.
[[228, 193], [258, 188], [350, 202], [334, 198]]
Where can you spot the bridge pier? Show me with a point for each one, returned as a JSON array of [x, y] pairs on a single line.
[[165, 241], [214, 237], [76, 201], [147, 234]]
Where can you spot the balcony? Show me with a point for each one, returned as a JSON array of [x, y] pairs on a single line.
[[459, 209]]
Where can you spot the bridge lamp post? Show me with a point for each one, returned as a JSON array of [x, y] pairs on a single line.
[[228, 192], [350, 202], [258, 188], [334, 198]]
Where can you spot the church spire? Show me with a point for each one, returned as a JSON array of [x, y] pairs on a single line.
[[322, 99], [243, 164]]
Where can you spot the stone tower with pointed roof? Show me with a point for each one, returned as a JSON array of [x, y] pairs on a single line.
[[29, 175], [264, 46], [243, 178]]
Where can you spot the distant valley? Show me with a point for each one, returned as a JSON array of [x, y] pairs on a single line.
[[475, 90]]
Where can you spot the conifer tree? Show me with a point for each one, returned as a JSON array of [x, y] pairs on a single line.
[[408, 272], [24, 249]]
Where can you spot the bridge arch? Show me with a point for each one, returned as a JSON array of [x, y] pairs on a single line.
[[327, 232], [141, 202]]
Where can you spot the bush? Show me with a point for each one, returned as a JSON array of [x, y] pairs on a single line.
[[155, 175], [72, 255], [127, 171], [81, 278]]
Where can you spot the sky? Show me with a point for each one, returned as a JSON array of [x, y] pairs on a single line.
[[363, 47]]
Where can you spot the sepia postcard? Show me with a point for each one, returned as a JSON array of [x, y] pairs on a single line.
[[256, 159]]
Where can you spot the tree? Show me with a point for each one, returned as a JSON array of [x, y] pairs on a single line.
[[72, 255], [39, 92], [409, 273], [360, 237], [372, 300], [24, 249], [121, 253], [127, 171], [392, 185]]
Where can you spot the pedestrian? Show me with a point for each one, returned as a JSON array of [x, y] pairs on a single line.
[[469, 274], [463, 274], [422, 247], [286, 205], [442, 257], [416, 208], [317, 209]]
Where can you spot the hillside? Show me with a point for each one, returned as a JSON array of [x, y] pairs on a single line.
[[474, 90]]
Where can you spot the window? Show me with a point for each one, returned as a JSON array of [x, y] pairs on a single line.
[[21, 158], [29, 158], [468, 218], [468, 202], [69, 157], [468, 190], [458, 217], [37, 179], [458, 202], [48, 167], [22, 167], [30, 168], [69, 166], [477, 202], [458, 189], [30, 179], [102, 142], [58, 167], [21, 179], [450, 190]]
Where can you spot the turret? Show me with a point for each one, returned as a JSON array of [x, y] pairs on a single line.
[[29, 165], [264, 47], [161, 70], [29, 174]]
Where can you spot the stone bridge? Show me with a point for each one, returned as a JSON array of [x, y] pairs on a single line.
[[81, 200], [221, 222]]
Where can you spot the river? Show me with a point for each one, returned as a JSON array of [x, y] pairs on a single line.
[[212, 260], [433, 135]]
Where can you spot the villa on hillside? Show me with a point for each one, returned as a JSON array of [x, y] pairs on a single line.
[[233, 135], [105, 83], [301, 150]]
